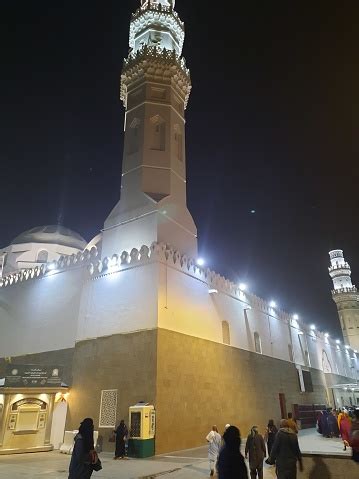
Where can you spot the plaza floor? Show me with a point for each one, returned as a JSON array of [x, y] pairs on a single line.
[[188, 464]]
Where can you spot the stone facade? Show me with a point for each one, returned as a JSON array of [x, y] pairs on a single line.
[[124, 362], [200, 383]]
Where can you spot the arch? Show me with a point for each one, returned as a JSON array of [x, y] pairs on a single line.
[[157, 133], [226, 336], [257, 343], [42, 256]]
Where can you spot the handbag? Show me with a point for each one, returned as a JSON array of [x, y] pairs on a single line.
[[97, 466], [112, 438]]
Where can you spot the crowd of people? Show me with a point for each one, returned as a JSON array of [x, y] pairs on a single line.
[[337, 423], [281, 446]]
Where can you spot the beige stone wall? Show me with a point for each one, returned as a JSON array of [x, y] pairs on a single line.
[[201, 383], [126, 362]]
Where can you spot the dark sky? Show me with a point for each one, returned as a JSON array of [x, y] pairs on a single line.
[[272, 125]]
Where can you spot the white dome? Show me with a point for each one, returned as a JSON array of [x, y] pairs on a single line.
[[51, 234]]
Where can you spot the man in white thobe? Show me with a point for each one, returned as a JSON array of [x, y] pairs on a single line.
[[214, 444]]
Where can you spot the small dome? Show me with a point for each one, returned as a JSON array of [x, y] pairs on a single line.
[[51, 234]]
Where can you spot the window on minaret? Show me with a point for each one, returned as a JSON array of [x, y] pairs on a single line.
[[257, 343], [178, 142], [158, 133], [225, 333], [42, 256], [132, 136]]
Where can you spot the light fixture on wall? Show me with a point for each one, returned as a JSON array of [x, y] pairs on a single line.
[[326, 335], [242, 286], [312, 327], [61, 397], [337, 341], [295, 317], [272, 304]]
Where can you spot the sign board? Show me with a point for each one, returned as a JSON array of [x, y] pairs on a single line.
[[32, 375]]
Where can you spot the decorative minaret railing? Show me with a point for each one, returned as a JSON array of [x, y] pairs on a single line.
[[346, 297], [155, 87]]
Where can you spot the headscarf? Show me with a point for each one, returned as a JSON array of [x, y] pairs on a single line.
[[232, 438], [86, 430]]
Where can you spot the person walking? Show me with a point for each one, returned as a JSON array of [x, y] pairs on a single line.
[[345, 426], [231, 463], [84, 455], [324, 425], [256, 450], [270, 434], [121, 436], [292, 423], [333, 424], [285, 452], [354, 436], [214, 440]]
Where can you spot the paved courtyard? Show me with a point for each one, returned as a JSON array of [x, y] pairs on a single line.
[[189, 464]]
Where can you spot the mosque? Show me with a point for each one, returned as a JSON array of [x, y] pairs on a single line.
[[91, 329]]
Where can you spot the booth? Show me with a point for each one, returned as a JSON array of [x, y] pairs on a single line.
[[142, 426], [30, 398]]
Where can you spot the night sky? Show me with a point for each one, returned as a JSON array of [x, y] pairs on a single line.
[[272, 126]]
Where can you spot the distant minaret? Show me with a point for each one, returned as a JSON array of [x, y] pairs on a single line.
[[346, 297], [155, 87]]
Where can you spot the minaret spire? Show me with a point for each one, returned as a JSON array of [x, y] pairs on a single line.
[[155, 87], [346, 297]]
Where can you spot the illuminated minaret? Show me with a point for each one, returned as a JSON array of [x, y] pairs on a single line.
[[346, 297], [155, 87]]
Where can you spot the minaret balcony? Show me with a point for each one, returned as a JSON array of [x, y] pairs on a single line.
[[339, 270], [160, 17], [353, 289], [155, 64]]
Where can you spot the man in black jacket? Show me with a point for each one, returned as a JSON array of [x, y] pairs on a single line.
[[285, 452]]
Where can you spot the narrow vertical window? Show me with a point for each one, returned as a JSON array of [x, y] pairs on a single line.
[[225, 333], [290, 351], [132, 136], [257, 343], [158, 133], [178, 142]]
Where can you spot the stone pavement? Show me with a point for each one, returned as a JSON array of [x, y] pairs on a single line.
[[189, 464]]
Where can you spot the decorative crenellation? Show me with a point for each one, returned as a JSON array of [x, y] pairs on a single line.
[[157, 252], [152, 63], [62, 264]]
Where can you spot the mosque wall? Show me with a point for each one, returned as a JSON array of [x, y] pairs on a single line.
[[121, 301], [201, 382], [186, 306], [125, 363], [40, 314]]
